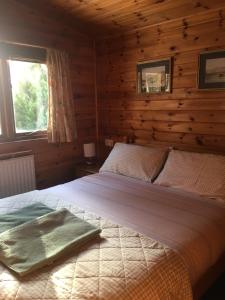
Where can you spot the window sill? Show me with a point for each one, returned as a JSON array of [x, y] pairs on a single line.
[[23, 137]]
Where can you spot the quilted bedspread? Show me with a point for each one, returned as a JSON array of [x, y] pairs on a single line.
[[122, 264]]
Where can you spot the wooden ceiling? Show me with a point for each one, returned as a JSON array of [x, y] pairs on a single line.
[[105, 17]]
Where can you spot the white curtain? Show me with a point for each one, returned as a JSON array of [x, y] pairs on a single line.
[[61, 116]]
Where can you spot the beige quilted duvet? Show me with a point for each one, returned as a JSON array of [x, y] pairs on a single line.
[[120, 265]]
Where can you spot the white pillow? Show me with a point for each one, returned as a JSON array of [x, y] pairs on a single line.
[[135, 161], [200, 173]]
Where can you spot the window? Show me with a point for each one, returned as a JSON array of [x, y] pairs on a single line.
[[23, 98]]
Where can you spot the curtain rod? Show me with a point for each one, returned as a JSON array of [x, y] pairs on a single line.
[[22, 44]]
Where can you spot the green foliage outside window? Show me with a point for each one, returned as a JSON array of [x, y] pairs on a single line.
[[30, 97]]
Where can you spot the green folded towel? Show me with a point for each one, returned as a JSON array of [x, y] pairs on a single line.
[[23, 215], [39, 242]]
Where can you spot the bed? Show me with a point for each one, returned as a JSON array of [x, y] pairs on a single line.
[[192, 228], [156, 242]]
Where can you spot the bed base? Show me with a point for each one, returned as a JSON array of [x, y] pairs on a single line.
[[209, 278]]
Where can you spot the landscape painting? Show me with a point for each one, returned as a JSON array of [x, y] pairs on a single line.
[[215, 70], [212, 70]]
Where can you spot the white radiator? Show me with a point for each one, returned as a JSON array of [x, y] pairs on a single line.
[[17, 175]]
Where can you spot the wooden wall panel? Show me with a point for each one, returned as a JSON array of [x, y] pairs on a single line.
[[187, 117], [18, 23]]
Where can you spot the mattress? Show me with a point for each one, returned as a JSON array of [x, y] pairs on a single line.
[[155, 242]]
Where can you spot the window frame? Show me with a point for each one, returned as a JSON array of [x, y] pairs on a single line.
[[7, 117]]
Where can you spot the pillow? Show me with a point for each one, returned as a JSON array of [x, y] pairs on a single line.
[[200, 173], [135, 161]]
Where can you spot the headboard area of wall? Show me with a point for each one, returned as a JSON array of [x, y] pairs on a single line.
[[188, 118]]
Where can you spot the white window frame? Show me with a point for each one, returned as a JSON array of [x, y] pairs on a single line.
[[7, 119]]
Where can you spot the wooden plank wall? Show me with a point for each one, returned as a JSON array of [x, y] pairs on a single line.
[[54, 164], [187, 117]]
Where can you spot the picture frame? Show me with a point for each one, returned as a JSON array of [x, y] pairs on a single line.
[[154, 77], [211, 74]]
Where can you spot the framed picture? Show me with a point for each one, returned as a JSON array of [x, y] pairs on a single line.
[[211, 70], [154, 76]]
